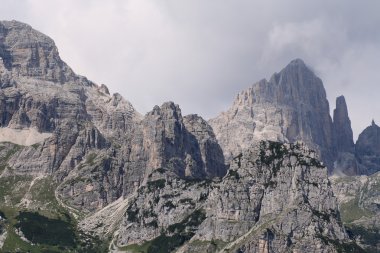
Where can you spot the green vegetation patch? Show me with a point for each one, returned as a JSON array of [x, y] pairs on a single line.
[[160, 244], [322, 215], [233, 174], [91, 159], [46, 235], [238, 159], [350, 211], [133, 214], [193, 220], [42, 230], [2, 215], [46, 226], [13, 188], [175, 236], [366, 236], [156, 185], [274, 159], [11, 150], [197, 246], [187, 201], [43, 198], [342, 247], [161, 170], [169, 205]]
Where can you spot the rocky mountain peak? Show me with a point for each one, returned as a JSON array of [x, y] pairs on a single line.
[[103, 88], [371, 133], [167, 110], [345, 161], [341, 105], [291, 106], [296, 66], [368, 149], [297, 82], [27, 52], [342, 127]]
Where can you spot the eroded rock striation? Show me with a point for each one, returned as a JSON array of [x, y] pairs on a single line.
[[26, 53], [345, 161], [274, 195], [359, 198], [342, 127], [164, 182], [95, 144], [290, 107]]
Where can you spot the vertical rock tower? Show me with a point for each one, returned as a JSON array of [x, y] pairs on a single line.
[[290, 107]]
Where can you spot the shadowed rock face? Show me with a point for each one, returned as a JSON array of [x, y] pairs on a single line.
[[345, 161], [342, 127], [368, 149], [291, 106]]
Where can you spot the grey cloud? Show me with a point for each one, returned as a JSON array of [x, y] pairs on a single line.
[[201, 53]]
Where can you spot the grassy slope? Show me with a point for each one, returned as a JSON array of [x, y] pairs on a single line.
[[354, 215]]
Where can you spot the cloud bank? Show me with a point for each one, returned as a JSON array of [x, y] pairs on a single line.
[[201, 53]]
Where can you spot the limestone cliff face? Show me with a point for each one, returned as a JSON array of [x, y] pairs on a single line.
[[160, 179], [359, 198], [345, 161], [25, 52], [368, 149], [342, 127], [96, 145], [186, 145], [291, 106], [274, 194]]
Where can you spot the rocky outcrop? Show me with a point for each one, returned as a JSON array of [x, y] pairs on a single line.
[[274, 194], [345, 161], [202, 137], [25, 52], [359, 198], [96, 145], [110, 168], [342, 127], [290, 107], [368, 149], [160, 179], [186, 145]]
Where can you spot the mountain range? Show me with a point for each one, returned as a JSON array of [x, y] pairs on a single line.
[[82, 171]]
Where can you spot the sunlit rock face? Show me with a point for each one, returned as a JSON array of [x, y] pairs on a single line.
[[96, 145], [291, 106]]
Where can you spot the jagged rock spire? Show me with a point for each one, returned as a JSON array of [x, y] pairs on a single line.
[[290, 107], [25, 51], [342, 127]]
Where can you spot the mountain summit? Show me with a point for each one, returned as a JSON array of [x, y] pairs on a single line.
[[290, 107], [29, 53]]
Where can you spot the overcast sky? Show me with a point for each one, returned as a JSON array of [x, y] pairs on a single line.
[[200, 54]]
